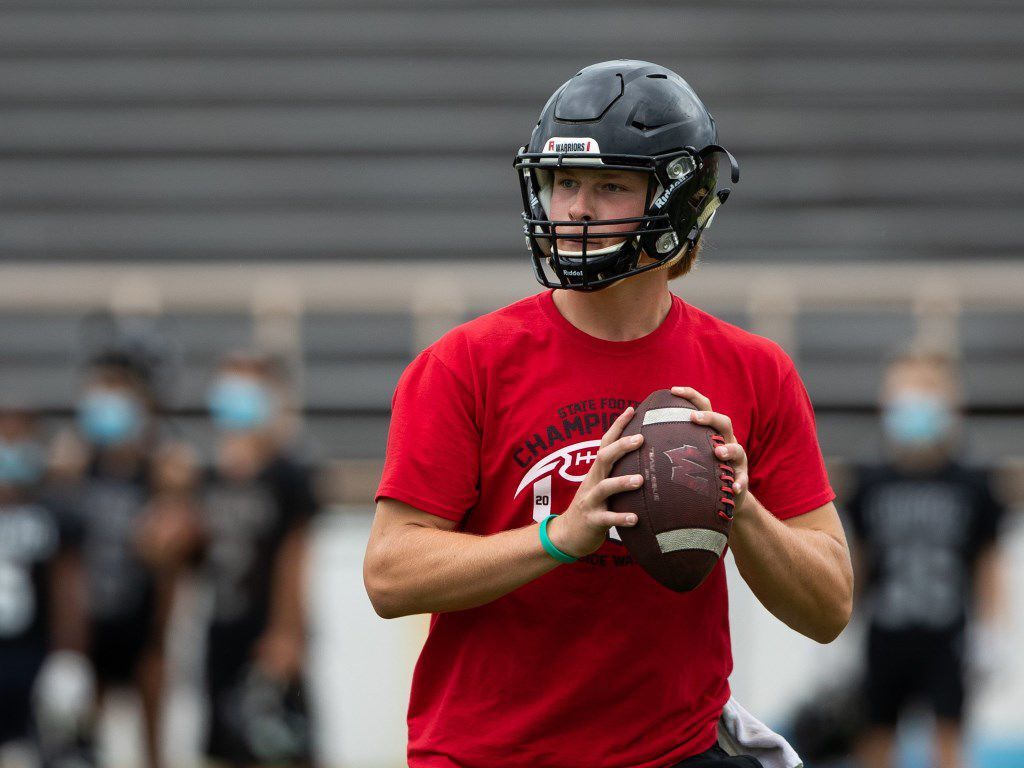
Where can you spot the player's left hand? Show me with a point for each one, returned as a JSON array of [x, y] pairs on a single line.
[[732, 452]]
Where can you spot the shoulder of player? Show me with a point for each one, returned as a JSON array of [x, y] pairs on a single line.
[[283, 470], [728, 338], [968, 474], [466, 342], [286, 467]]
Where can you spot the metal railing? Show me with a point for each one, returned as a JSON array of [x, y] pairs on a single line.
[[440, 294]]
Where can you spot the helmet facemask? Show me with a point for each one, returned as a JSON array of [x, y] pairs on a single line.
[[668, 224], [621, 115]]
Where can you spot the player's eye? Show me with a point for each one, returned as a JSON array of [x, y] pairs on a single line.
[[611, 187], [566, 183]]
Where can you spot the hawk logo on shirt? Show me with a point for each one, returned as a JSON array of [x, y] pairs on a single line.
[[571, 463]]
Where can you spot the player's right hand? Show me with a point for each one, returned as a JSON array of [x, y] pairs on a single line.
[[583, 527]]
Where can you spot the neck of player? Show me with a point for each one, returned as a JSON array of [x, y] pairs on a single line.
[[628, 310]]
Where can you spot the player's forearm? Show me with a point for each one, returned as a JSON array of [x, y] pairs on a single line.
[[288, 598], [802, 576], [425, 570], [989, 599], [68, 618]]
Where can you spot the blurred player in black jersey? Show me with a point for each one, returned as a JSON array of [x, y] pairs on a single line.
[[926, 527], [42, 624], [109, 474], [252, 516]]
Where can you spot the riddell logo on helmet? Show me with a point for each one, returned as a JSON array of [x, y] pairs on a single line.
[[664, 197], [583, 145]]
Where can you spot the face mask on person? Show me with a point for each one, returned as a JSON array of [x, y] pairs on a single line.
[[21, 463], [240, 404], [110, 418], [917, 419]]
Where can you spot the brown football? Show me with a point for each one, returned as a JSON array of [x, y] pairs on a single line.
[[684, 507]]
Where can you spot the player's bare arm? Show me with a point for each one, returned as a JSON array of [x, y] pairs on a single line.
[[282, 646], [799, 569], [990, 588], [418, 563]]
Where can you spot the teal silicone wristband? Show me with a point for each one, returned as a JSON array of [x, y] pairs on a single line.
[[549, 547]]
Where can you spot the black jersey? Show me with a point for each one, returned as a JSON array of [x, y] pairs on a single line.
[[32, 533], [121, 587], [246, 522], [920, 536]]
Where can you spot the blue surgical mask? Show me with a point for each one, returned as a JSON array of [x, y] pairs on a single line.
[[916, 419], [240, 404], [21, 463], [109, 418]]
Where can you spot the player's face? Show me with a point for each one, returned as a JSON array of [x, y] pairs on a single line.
[[918, 377], [588, 194], [918, 407]]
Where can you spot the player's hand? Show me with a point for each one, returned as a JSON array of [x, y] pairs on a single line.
[[175, 468], [583, 527], [732, 452], [169, 532]]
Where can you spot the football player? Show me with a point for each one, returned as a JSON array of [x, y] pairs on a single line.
[[43, 669], [108, 473], [926, 528], [254, 509], [582, 659]]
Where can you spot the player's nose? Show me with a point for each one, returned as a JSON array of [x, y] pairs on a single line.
[[582, 206]]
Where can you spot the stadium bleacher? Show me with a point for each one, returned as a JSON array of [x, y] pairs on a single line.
[[239, 132]]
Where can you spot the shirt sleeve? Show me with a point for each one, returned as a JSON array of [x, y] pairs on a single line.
[[433, 451], [69, 523], [68, 516], [300, 496], [787, 471], [990, 512]]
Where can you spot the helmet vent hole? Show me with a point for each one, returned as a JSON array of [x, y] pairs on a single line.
[[658, 77], [644, 127]]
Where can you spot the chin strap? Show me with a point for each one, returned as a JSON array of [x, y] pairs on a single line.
[[675, 259], [668, 264]]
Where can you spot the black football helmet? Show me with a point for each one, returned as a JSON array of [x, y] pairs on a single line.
[[630, 116]]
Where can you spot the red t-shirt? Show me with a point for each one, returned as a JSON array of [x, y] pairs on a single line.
[[593, 664]]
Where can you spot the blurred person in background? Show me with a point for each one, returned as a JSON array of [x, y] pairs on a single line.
[[108, 471], [43, 670], [250, 537], [927, 564]]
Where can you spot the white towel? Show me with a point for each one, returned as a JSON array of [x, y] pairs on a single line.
[[740, 733]]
